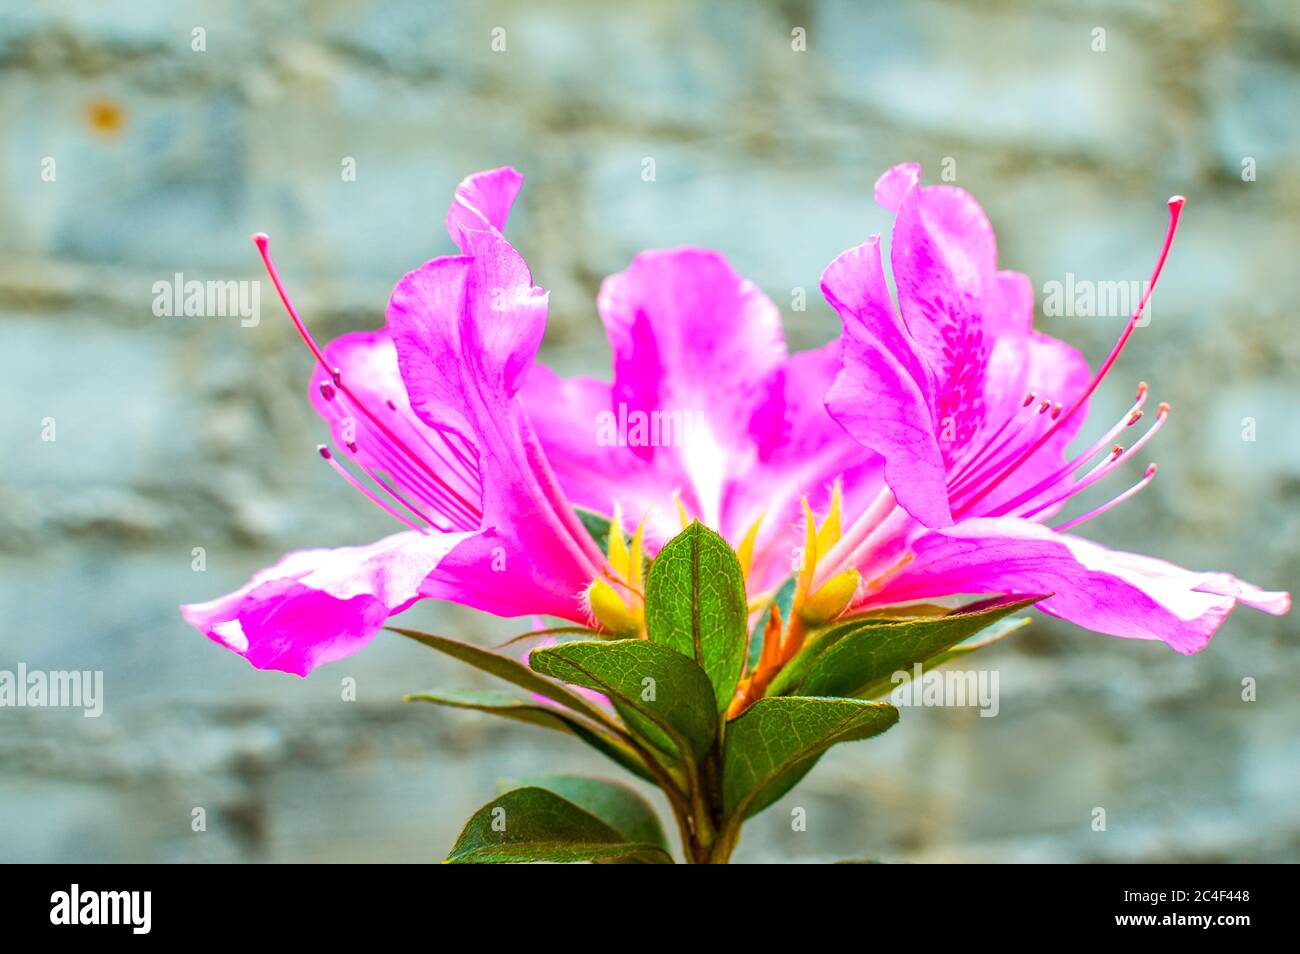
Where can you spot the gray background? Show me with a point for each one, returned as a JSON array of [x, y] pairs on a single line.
[[176, 433]]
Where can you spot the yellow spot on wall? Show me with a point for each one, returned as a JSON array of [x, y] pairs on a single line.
[[105, 117]]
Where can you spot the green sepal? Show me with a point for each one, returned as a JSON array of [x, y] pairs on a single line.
[[782, 599]]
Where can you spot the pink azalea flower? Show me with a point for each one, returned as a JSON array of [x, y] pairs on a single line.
[[429, 422], [444, 422], [971, 411]]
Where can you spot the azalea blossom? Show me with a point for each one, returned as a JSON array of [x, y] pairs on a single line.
[[922, 455], [971, 412]]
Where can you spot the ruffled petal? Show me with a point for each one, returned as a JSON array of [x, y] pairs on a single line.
[[1121, 594], [482, 202], [882, 396], [688, 332], [938, 389], [692, 341], [315, 606], [435, 470], [466, 330], [942, 253]]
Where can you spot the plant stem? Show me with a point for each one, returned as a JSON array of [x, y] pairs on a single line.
[[708, 838]]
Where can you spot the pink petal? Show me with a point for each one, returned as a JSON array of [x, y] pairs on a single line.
[[692, 338], [938, 390], [1122, 594], [569, 415], [882, 397], [942, 253], [482, 202], [466, 330], [802, 452], [1009, 304], [315, 606], [688, 332], [895, 183]]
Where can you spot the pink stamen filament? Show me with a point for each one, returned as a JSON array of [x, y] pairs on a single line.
[[1098, 471], [463, 469], [971, 481], [262, 242], [365, 491], [467, 472], [1107, 466], [838, 558], [1131, 417], [398, 463], [418, 484], [1149, 476], [982, 454], [391, 491], [1175, 212]]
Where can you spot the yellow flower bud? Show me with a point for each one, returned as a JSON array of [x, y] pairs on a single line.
[[611, 612], [831, 599]]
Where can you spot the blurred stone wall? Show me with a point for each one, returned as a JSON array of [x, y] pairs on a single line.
[[176, 433]]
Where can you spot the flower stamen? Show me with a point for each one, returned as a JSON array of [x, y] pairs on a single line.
[[1149, 476], [1175, 212], [1131, 417], [1107, 466], [971, 481], [262, 241], [365, 491]]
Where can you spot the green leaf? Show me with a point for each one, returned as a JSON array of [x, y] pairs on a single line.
[[862, 654], [775, 742], [818, 641], [509, 669], [987, 637], [535, 713], [616, 805], [586, 631], [533, 824], [660, 693], [695, 604]]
